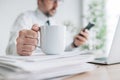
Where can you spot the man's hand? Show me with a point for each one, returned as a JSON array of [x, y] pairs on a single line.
[[27, 41], [81, 38]]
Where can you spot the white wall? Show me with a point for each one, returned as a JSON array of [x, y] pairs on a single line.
[[10, 9], [70, 10]]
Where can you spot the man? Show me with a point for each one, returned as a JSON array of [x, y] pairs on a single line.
[[24, 35]]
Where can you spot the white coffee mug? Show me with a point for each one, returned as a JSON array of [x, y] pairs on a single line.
[[52, 39]]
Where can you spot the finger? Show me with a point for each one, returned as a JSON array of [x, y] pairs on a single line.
[[22, 33], [21, 51], [78, 43], [80, 38], [36, 27], [30, 41], [28, 48], [28, 33], [84, 34], [31, 34], [86, 30], [25, 53], [27, 41], [20, 42]]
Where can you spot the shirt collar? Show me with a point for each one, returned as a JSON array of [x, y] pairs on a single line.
[[41, 15]]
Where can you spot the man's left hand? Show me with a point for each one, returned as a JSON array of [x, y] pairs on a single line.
[[81, 38]]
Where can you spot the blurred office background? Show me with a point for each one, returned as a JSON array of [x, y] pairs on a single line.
[[75, 14]]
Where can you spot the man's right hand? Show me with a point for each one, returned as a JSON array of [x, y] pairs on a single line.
[[27, 41]]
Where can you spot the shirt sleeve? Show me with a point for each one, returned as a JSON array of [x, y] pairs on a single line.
[[69, 41], [20, 23]]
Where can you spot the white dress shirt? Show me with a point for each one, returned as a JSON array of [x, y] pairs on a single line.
[[26, 21]]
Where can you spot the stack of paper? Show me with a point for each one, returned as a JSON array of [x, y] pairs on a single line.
[[43, 67]]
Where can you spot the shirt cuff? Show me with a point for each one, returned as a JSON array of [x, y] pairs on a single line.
[[70, 48]]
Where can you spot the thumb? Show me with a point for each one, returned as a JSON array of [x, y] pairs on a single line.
[[36, 27]]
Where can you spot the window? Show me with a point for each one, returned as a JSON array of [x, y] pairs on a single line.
[[112, 13], [105, 14], [94, 11]]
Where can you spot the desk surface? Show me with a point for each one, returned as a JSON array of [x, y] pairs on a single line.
[[102, 72]]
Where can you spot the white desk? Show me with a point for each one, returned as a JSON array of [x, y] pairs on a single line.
[[102, 72]]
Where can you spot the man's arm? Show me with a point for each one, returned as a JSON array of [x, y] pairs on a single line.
[[22, 22], [79, 40]]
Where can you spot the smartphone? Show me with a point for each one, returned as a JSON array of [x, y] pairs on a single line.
[[89, 26]]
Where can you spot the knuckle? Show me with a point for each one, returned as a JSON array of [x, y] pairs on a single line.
[[19, 47], [84, 39], [35, 34], [76, 36], [19, 41], [26, 40], [35, 42], [29, 32], [24, 50], [31, 48], [30, 41], [19, 52], [27, 53], [32, 34], [79, 37], [22, 31]]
